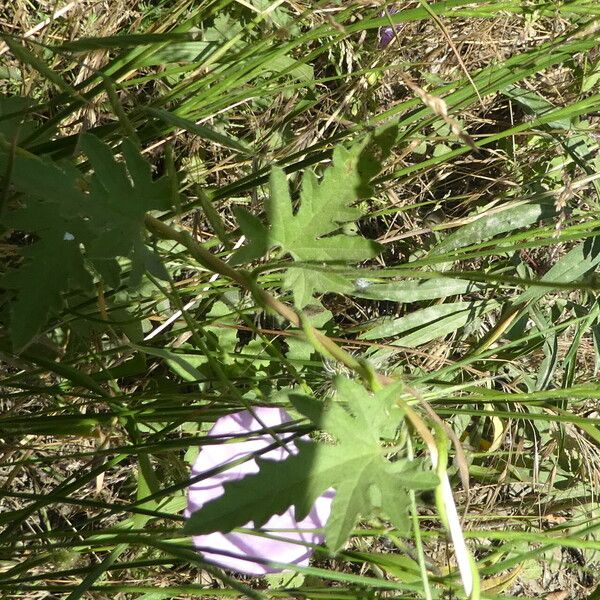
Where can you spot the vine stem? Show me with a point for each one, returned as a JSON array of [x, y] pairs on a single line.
[[264, 298]]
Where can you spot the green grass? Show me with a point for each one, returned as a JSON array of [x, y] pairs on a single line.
[[482, 297]]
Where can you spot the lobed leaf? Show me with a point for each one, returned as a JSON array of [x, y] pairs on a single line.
[[313, 233], [365, 481], [75, 230]]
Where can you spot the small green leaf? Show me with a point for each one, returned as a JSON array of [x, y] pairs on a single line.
[[304, 280], [416, 291], [535, 105], [22, 54], [256, 232], [492, 224], [422, 326], [204, 132], [401, 567], [570, 267], [292, 67], [284, 580]]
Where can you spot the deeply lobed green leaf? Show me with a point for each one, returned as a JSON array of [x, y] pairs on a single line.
[[314, 232], [78, 232], [356, 466]]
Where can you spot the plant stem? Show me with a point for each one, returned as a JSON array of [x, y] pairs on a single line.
[[266, 300]]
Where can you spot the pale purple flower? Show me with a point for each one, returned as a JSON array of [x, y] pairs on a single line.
[[386, 34], [244, 547]]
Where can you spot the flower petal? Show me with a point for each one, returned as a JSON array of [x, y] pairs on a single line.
[[245, 552]]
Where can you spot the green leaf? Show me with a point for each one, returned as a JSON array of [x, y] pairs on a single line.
[[279, 16], [15, 121], [299, 349], [120, 196], [187, 51], [56, 190], [72, 227], [256, 232], [535, 105], [314, 232], [402, 567], [494, 223], [303, 281], [364, 479], [182, 364], [422, 326], [271, 491], [590, 79], [284, 580], [52, 265], [295, 68], [416, 291], [204, 132], [22, 54], [576, 263]]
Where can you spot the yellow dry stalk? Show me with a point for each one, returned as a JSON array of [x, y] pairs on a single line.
[[439, 107]]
